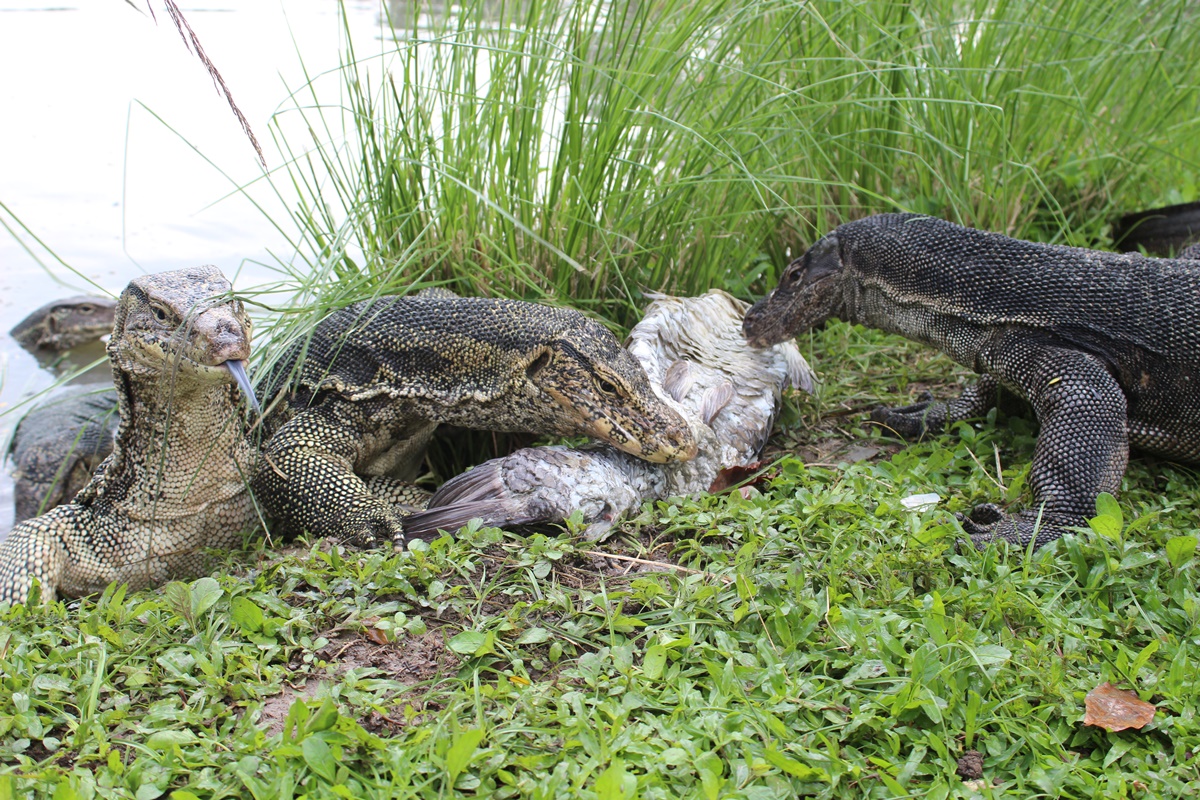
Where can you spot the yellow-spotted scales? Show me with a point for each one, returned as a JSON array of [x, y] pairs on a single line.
[[174, 484], [350, 410]]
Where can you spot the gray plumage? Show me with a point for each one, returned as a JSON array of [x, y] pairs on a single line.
[[697, 361]]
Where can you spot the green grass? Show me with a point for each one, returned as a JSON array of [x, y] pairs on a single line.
[[815, 638], [823, 639]]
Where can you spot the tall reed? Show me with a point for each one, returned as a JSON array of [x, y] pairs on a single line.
[[580, 152]]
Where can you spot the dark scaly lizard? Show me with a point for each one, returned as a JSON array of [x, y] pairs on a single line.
[[58, 445], [1170, 230], [174, 483], [1104, 346], [362, 398], [66, 323]]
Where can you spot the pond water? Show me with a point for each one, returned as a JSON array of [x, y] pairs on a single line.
[[114, 192]]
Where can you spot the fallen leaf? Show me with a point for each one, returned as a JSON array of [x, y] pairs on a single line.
[[732, 476], [1116, 709], [375, 635]]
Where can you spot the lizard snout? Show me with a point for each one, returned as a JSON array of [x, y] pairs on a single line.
[[222, 336], [673, 442]]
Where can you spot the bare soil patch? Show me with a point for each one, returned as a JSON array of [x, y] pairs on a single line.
[[409, 661], [275, 708]]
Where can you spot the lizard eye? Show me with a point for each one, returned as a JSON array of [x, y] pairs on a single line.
[[793, 273], [606, 386], [159, 312]]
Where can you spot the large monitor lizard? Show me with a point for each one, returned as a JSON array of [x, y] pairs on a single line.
[[175, 482], [350, 410], [1105, 347], [66, 323], [362, 397]]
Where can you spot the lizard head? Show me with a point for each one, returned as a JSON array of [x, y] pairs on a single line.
[[184, 323], [66, 323], [808, 294], [603, 392]]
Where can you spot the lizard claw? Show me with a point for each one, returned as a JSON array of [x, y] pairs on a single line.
[[912, 421], [989, 523], [983, 517], [369, 526], [984, 524]]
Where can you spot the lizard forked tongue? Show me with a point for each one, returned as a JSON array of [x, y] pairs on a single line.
[[237, 369]]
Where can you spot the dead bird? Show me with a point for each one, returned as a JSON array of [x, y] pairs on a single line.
[[66, 323], [697, 360]]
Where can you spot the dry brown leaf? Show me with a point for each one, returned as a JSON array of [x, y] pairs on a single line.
[[372, 633], [732, 476], [375, 635], [1116, 709]]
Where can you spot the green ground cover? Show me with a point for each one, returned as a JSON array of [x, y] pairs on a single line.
[[814, 637]]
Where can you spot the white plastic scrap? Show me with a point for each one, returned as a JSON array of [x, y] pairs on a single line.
[[921, 502]]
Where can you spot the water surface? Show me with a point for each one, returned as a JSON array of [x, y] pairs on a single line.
[[112, 191]]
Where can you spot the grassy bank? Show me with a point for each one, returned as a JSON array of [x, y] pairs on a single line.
[[817, 637]]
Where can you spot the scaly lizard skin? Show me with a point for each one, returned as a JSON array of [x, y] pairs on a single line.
[[175, 482], [362, 397], [58, 446], [66, 323], [1104, 346]]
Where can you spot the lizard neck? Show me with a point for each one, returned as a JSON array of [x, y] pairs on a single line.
[[181, 447]]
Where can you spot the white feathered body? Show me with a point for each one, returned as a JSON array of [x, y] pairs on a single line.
[[700, 363]]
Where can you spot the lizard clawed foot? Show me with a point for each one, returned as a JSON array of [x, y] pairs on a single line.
[[370, 526], [377, 522], [989, 523], [914, 421]]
